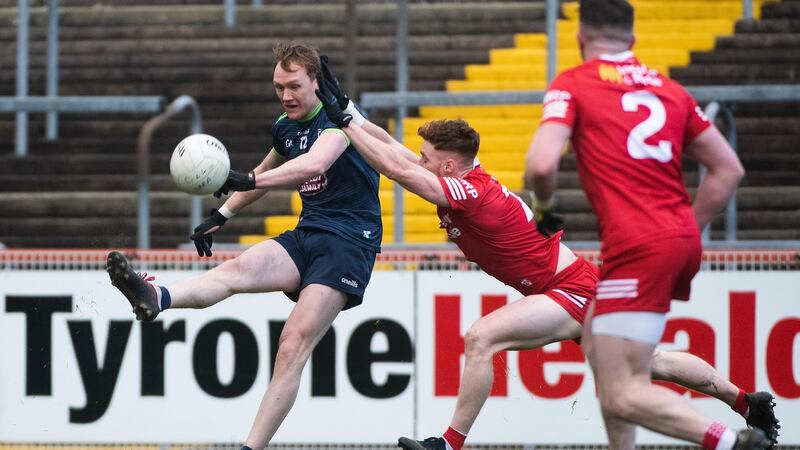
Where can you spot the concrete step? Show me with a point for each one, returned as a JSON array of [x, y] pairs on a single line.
[[109, 232], [760, 41], [746, 56], [779, 10], [89, 204], [775, 73], [131, 59], [457, 12]]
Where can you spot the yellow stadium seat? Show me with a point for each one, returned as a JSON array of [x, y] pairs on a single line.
[[687, 40], [494, 142], [252, 239], [490, 124], [492, 85], [478, 111], [676, 9], [275, 225], [504, 162], [412, 204], [660, 58]]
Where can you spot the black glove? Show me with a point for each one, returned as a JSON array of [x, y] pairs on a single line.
[[332, 83], [547, 222], [340, 118], [202, 237], [330, 101], [237, 181]]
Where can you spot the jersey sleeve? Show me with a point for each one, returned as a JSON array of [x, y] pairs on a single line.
[[697, 122], [460, 193], [277, 140], [559, 101]]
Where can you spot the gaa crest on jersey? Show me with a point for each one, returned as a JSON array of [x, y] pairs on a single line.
[[314, 185], [453, 233]]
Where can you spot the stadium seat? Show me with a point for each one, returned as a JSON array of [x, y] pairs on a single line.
[[671, 36]]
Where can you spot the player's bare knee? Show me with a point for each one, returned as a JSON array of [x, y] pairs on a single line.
[[230, 268], [291, 345], [620, 405], [477, 341], [660, 368], [233, 275]]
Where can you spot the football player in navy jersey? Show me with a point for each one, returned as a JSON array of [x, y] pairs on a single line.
[[324, 264]]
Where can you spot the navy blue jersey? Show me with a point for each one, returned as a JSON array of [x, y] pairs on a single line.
[[343, 200]]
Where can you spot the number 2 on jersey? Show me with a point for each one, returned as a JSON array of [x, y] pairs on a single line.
[[637, 148]]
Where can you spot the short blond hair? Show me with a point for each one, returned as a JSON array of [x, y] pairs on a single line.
[[302, 54]]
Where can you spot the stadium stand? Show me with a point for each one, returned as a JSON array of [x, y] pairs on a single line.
[[686, 39], [79, 191], [761, 52]]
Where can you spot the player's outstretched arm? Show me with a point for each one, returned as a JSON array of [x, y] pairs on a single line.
[[379, 154], [319, 158], [724, 172], [330, 85], [382, 135], [394, 165]]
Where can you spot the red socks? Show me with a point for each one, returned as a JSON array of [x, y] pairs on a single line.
[[740, 405], [454, 438], [719, 437]]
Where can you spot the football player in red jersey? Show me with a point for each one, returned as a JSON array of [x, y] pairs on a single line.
[[629, 126], [497, 230]]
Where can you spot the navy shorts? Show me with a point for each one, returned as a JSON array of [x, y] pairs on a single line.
[[325, 258]]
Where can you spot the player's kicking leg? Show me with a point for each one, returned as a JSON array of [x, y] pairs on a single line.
[[264, 267], [136, 287], [530, 322]]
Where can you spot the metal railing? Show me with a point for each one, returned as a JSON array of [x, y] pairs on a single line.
[[390, 258], [143, 165], [22, 105], [230, 10], [718, 96], [712, 110]]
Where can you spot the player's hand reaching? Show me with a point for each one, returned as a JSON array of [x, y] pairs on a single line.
[[331, 90], [547, 221], [332, 83], [331, 104], [237, 181], [202, 235]]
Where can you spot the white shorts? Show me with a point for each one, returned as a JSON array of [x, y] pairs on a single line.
[[637, 325]]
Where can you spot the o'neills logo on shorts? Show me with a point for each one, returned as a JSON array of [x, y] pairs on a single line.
[[314, 185], [352, 283]]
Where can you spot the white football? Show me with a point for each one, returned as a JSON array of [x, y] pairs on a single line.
[[199, 164]]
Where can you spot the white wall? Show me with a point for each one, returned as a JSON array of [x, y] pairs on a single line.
[[366, 392]]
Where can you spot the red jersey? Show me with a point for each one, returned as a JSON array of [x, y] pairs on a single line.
[[495, 229], [630, 125]]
